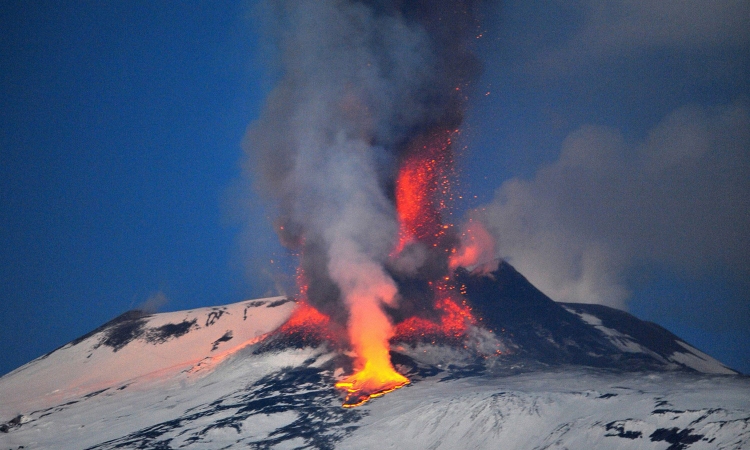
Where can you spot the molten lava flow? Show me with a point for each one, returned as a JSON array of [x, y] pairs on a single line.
[[421, 193], [364, 288], [375, 375], [369, 332], [376, 378]]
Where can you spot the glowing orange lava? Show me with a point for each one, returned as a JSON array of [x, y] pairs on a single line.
[[376, 378], [370, 329], [455, 318], [307, 325], [422, 190], [422, 193], [305, 317]]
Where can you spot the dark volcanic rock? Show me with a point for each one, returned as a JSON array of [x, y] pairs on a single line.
[[551, 333], [648, 334], [522, 315]]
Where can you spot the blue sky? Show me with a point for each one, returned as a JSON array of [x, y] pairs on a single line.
[[121, 177]]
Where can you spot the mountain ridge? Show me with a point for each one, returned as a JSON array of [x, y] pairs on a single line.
[[535, 374]]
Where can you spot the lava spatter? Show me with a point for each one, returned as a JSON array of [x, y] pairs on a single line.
[[423, 190]]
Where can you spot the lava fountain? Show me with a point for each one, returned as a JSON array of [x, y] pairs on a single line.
[[423, 190], [354, 146], [369, 331], [422, 193]]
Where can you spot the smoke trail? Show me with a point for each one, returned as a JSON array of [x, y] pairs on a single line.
[[361, 80]]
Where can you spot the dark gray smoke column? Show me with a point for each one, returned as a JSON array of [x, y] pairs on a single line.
[[361, 79]]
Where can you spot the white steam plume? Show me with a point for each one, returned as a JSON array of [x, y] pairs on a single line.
[[359, 80], [680, 199]]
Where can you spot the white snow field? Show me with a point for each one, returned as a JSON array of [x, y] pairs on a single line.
[[166, 344], [194, 390]]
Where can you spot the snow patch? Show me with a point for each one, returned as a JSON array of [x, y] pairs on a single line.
[[622, 341], [699, 361]]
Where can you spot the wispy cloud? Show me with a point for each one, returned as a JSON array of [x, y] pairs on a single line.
[[629, 27]]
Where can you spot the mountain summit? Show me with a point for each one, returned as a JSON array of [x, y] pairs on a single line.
[[545, 332], [532, 373]]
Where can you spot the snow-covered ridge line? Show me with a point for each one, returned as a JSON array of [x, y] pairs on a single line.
[[138, 347], [568, 376], [679, 353]]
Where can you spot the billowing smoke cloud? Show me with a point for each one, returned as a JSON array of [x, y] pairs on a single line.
[[360, 80], [628, 27], [680, 199]]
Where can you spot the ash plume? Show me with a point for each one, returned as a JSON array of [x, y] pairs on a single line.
[[679, 199], [360, 81]]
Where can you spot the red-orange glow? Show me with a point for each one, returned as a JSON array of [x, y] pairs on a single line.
[[477, 245], [369, 332], [422, 193], [455, 318], [414, 328], [308, 326], [305, 317], [422, 190], [376, 378]]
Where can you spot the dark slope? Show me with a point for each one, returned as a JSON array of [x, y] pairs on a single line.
[[648, 334], [544, 331]]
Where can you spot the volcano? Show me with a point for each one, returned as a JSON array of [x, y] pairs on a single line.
[[528, 373]]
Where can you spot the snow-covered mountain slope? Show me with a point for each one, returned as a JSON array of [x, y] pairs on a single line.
[[539, 330], [286, 399], [631, 335], [136, 346], [535, 374], [563, 409]]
